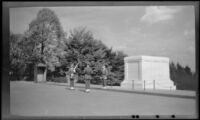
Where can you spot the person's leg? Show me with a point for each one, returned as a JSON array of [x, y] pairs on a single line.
[[87, 86], [71, 83], [104, 83], [70, 80], [67, 81]]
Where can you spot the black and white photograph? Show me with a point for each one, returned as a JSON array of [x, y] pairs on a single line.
[[137, 61]]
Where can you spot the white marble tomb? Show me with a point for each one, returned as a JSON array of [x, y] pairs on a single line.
[[147, 72]]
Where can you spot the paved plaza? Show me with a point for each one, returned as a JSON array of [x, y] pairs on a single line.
[[40, 99]]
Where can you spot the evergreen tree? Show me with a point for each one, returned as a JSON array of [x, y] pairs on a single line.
[[188, 70], [173, 72], [183, 77]]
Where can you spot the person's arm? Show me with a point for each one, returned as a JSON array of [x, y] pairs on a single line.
[[76, 66], [74, 70]]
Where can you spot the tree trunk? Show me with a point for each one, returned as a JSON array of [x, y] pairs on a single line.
[[42, 51], [42, 48]]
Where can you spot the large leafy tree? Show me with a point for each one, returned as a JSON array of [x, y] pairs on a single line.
[[42, 42], [45, 39], [83, 48]]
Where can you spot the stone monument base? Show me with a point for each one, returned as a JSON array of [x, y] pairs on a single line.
[[132, 85], [148, 84], [147, 72]]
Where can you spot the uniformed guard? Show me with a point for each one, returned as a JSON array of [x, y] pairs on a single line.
[[67, 75], [72, 72], [104, 76], [87, 72]]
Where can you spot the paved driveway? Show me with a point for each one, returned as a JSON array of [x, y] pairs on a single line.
[[31, 99]]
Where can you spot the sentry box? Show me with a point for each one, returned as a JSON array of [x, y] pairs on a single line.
[[40, 72]]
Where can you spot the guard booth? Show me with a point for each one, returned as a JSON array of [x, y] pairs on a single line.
[[40, 72]]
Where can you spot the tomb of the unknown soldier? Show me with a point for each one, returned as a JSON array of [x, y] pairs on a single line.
[[147, 72]]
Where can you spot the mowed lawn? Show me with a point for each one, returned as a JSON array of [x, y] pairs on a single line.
[[36, 99]]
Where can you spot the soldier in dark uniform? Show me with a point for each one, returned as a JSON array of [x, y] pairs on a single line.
[[104, 76], [72, 72], [87, 72]]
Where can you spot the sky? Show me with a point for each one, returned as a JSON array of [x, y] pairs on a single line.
[[167, 31]]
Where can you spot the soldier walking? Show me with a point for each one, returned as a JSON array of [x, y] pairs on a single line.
[[72, 72], [104, 76], [87, 72]]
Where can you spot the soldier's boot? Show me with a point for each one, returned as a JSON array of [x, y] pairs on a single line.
[[72, 88], [87, 90]]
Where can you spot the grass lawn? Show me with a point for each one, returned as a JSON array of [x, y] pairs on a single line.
[[35, 99]]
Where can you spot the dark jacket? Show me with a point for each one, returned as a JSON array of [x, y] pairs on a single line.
[[71, 72], [104, 73], [88, 72]]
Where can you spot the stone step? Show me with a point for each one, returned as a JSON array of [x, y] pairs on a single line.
[[147, 84]]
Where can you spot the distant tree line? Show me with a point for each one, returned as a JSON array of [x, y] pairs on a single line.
[[46, 42], [183, 77]]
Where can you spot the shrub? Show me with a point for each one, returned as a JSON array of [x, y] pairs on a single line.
[[58, 79]]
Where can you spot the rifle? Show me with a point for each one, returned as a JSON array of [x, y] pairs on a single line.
[[76, 66]]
